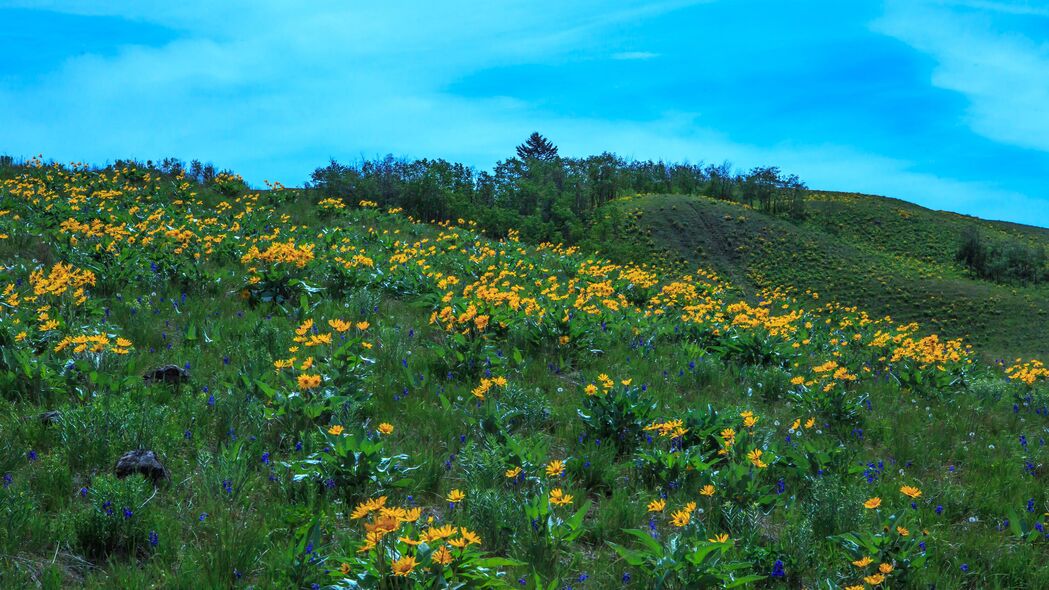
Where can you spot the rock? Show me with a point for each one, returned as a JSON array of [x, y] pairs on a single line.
[[143, 462], [51, 418], [167, 374]]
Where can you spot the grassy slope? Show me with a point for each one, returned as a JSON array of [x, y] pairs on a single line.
[[961, 448], [884, 255]]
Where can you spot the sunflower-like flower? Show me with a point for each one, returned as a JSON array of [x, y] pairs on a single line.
[[910, 492], [559, 498], [404, 566]]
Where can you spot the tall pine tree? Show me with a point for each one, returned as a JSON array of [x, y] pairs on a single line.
[[537, 147]]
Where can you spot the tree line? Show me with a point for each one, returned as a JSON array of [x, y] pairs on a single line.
[[1002, 261], [543, 195]]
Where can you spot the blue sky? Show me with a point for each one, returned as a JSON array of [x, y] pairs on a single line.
[[944, 103]]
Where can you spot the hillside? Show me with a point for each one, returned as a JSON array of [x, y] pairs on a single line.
[[205, 386], [888, 257]]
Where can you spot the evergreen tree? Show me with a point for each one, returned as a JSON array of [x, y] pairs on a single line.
[[537, 147]]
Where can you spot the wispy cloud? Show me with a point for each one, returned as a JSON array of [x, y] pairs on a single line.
[[634, 55], [1018, 7], [273, 89], [1003, 74], [333, 79]]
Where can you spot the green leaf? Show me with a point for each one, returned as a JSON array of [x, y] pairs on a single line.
[[577, 519], [744, 580], [1014, 524], [646, 540], [266, 389], [499, 562], [698, 556]]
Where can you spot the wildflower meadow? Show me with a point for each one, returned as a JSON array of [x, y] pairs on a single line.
[[204, 385]]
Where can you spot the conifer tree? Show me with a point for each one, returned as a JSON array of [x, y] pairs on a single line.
[[537, 147]]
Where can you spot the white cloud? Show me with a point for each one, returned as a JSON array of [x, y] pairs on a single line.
[[1004, 75], [274, 93], [248, 81], [1019, 7], [634, 55]]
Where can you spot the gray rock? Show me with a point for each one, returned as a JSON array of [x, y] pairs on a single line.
[[142, 462], [167, 374]]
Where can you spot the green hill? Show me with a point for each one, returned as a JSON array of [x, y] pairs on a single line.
[[886, 256], [205, 386]]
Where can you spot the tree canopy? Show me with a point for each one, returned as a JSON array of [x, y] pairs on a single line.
[[545, 196]]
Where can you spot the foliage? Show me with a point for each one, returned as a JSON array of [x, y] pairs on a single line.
[[543, 196], [1002, 262]]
